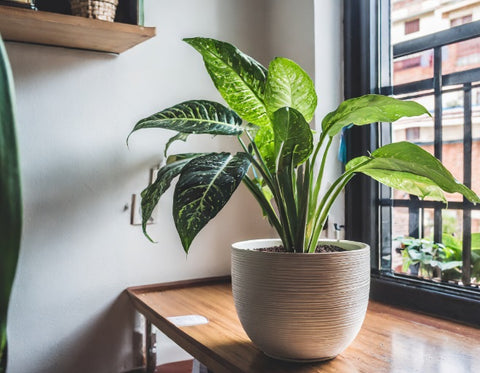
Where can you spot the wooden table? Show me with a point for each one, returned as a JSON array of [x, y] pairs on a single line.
[[391, 339]]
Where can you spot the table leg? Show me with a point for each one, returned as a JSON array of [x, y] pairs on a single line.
[[150, 348]]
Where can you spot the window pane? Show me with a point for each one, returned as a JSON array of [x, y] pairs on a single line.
[[475, 256], [413, 67], [445, 79], [412, 26], [475, 140], [452, 136], [461, 56]]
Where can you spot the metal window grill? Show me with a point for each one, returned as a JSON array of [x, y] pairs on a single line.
[[439, 84]]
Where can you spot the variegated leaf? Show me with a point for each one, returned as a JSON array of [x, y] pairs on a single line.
[[151, 195], [204, 187], [369, 109], [293, 137], [196, 116], [238, 77], [178, 137], [289, 85], [406, 166]]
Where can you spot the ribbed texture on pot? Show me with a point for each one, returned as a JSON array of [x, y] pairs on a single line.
[[301, 306]]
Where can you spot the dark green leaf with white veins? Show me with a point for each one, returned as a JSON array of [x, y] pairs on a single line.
[[289, 85], [204, 187], [196, 116], [293, 137], [238, 77], [178, 137], [369, 109], [406, 166], [151, 195]]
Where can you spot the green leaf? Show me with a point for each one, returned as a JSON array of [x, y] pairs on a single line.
[[204, 187], [10, 197], [264, 139], [239, 78], [196, 116], [406, 166], [410, 183], [452, 242], [369, 109], [293, 137], [355, 162], [475, 241], [289, 85], [445, 266], [180, 157], [151, 195], [178, 137]]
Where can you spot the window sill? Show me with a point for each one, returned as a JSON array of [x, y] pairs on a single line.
[[454, 303]]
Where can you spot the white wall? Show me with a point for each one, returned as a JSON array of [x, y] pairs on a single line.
[[329, 86], [311, 33], [75, 108]]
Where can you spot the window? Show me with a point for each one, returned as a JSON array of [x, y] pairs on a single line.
[[412, 133], [412, 26], [442, 71], [460, 20]]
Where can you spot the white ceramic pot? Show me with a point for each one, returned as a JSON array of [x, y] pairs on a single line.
[[301, 307]]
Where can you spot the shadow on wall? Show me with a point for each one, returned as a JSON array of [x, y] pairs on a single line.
[[79, 190], [100, 345], [247, 29], [65, 60]]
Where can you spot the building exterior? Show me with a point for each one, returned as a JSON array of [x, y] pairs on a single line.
[[411, 19]]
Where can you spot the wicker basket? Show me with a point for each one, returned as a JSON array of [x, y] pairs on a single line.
[[98, 9]]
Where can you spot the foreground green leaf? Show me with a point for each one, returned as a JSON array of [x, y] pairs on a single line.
[[205, 185], [289, 85], [369, 109], [10, 198], [406, 166], [151, 195], [239, 78]]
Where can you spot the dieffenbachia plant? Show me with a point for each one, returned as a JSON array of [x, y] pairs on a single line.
[[269, 110], [10, 198]]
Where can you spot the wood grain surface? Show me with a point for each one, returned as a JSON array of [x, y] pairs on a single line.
[[25, 25], [391, 339]]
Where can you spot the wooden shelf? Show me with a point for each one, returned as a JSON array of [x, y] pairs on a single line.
[[45, 28]]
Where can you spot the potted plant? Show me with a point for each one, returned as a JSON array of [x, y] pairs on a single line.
[[429, 259], [296, 296]]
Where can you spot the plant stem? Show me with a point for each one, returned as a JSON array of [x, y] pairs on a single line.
[[318, 182], [265, 204], [272, 183], [320, 221], [302, 203], [327, 201], [314, 191]]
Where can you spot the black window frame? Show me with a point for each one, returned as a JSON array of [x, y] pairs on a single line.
[[366, 38]]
